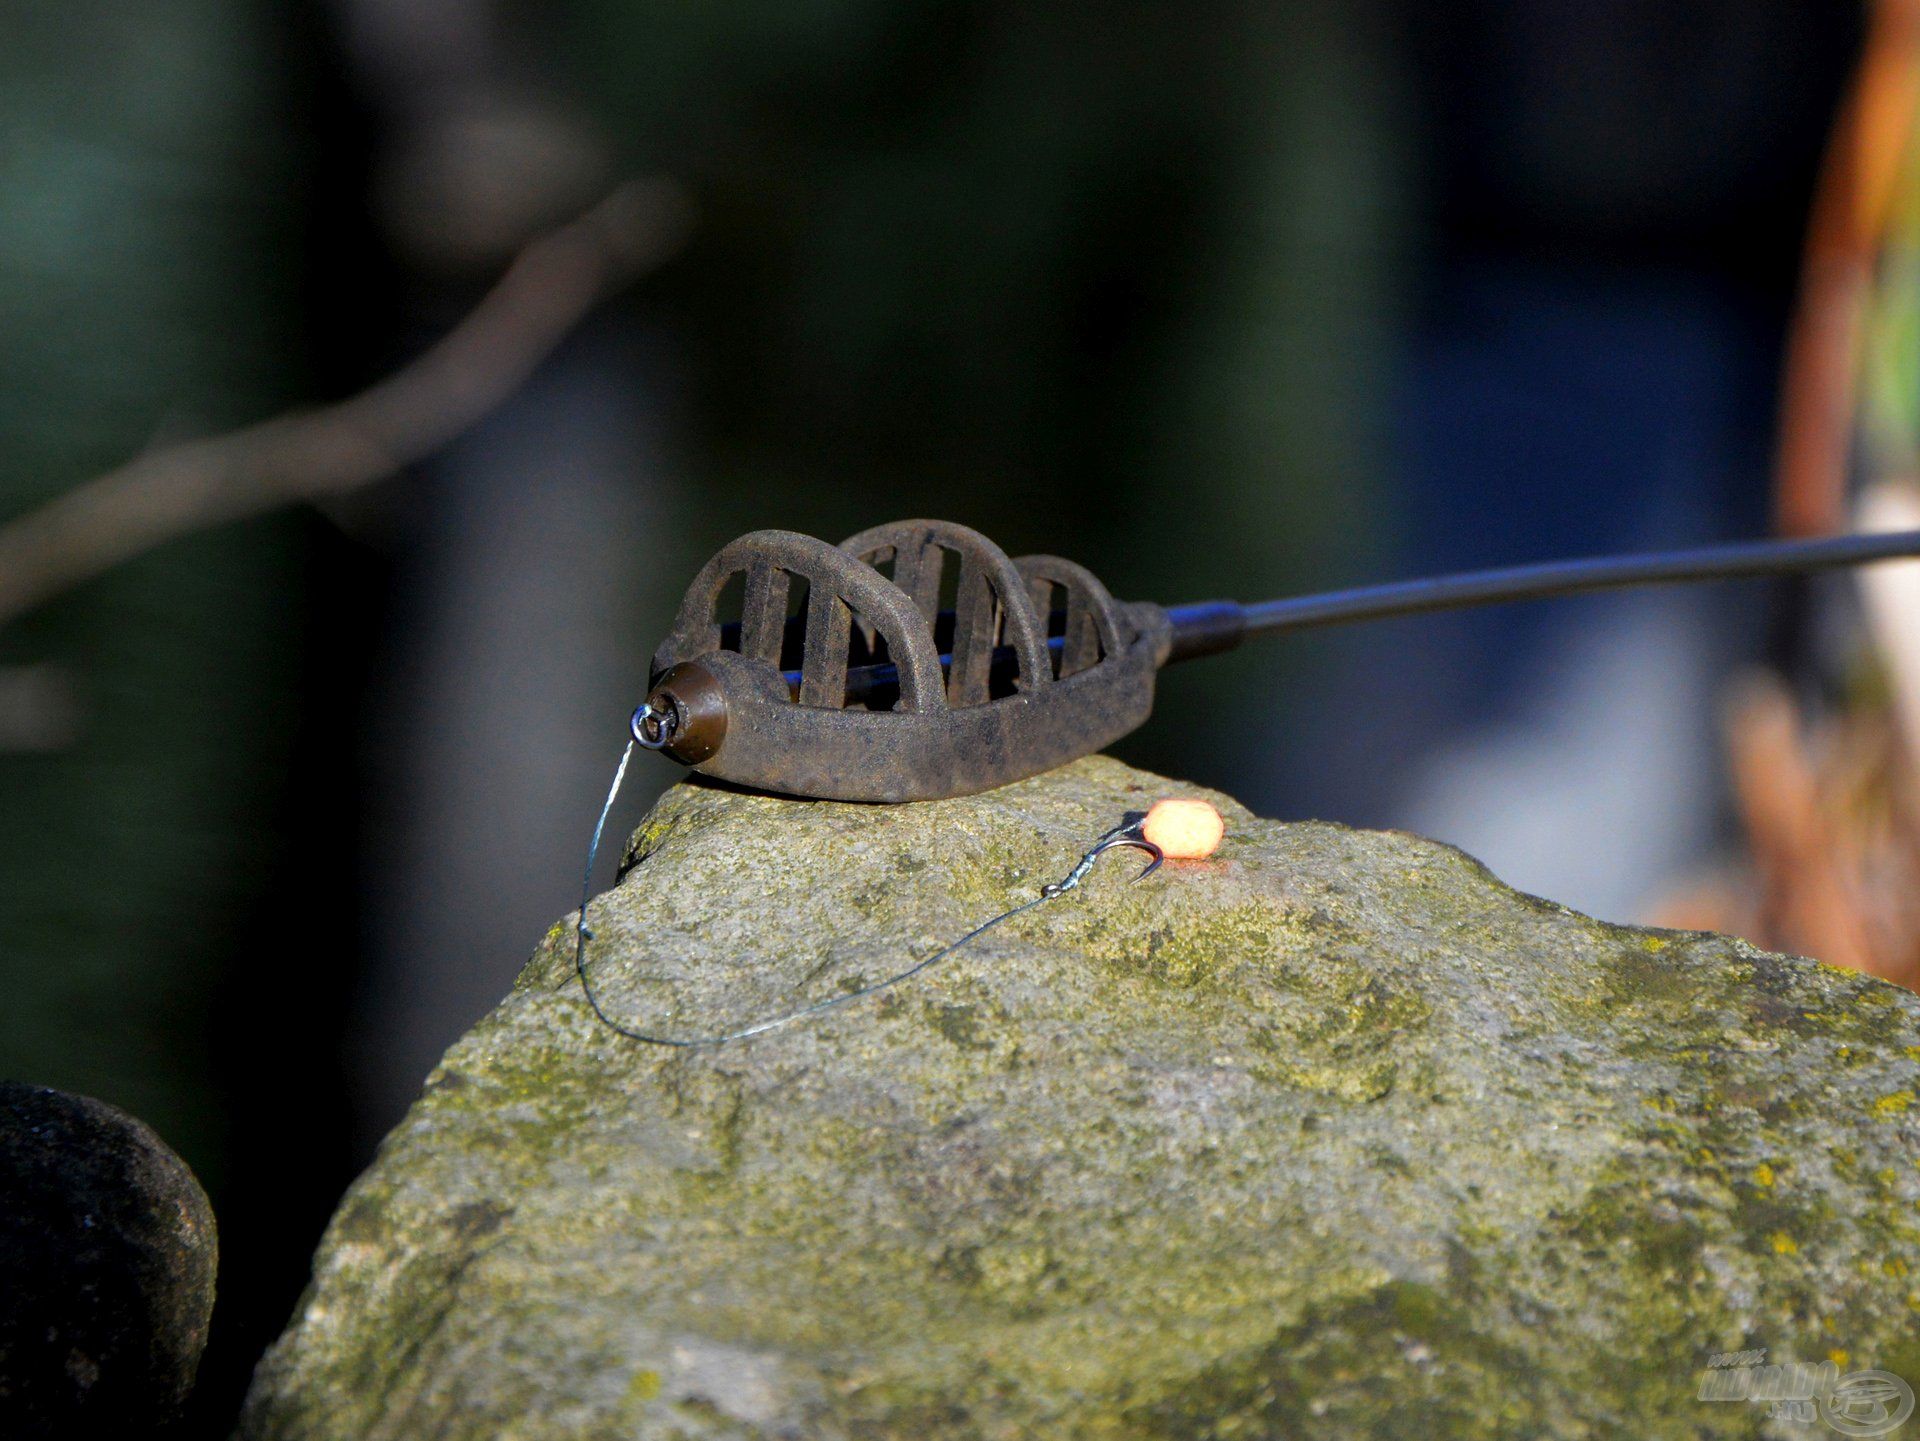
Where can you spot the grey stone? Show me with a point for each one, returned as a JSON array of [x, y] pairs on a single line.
[[1332, 1135], [107, 1260]]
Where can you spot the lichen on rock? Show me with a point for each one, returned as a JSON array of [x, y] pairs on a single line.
[[1331, 1135]]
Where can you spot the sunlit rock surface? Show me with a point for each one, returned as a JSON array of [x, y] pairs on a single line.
[[1332, 1135]]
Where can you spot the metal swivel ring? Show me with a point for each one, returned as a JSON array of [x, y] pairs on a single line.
[[653, 728]]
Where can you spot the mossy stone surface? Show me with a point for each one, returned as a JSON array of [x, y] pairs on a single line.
[[1332, 1135]]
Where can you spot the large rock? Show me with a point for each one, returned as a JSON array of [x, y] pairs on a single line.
[[1333, 1135], [107, 1260]]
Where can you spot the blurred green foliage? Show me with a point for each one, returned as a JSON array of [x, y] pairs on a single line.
[[144, 291], [1891, 349]]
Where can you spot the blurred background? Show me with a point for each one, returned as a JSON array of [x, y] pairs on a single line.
[[301, 734]]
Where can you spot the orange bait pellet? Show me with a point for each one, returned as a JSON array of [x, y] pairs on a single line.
[[1185, 830]]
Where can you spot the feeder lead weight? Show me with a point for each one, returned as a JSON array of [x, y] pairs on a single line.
[[684, 716]]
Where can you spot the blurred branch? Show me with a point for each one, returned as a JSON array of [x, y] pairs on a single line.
[[304, 455], [1831, 821], [1810, 898]]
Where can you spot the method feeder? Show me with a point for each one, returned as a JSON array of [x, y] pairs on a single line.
[[925, 663]]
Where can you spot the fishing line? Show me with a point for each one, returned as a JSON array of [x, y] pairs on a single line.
[[1125, 835]]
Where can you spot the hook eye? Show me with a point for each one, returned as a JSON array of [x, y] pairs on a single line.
[[1125, 834]]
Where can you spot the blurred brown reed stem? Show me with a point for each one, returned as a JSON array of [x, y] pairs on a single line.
[[1853, 201]]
